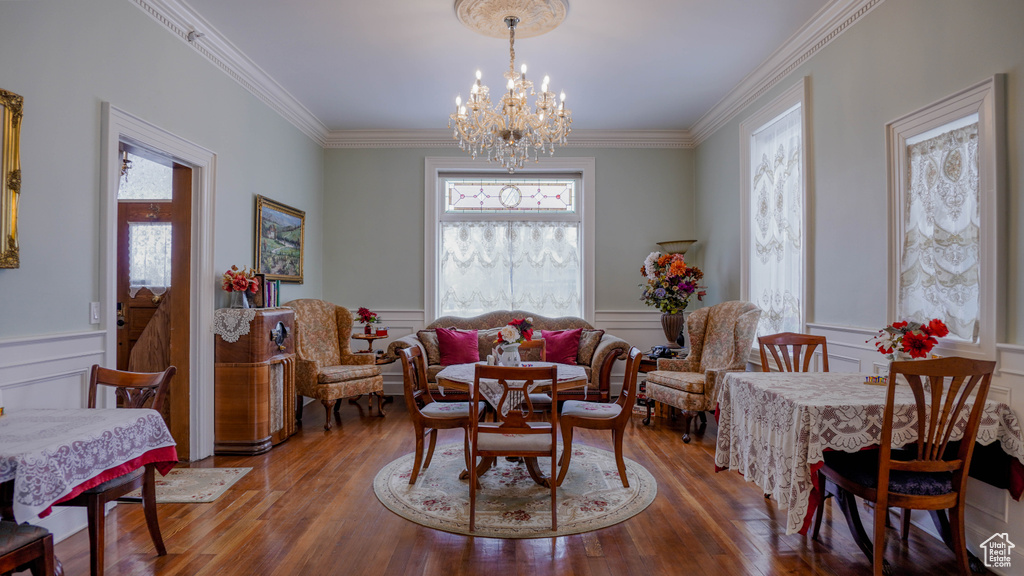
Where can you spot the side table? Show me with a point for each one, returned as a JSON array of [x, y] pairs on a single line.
[[369, 338]]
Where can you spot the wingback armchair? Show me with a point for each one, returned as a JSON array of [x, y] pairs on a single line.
[[325, 367], [720, 341]]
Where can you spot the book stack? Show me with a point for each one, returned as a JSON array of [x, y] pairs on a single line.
[[272, 293]]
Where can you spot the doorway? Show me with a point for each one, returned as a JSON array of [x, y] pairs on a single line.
[[154, 206]]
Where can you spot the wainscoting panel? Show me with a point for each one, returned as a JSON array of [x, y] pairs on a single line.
[[989, 510]]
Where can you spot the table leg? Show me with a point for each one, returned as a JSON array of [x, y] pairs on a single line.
[[848, 504], [535, 473], [942, 525], [7, 501], [485, 464]]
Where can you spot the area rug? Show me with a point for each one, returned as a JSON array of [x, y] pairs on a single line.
[[510, 504], [192, 485]]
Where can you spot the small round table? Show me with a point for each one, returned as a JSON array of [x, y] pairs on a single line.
[[369, 340]]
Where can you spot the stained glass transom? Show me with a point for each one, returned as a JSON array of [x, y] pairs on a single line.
[[496, 196]]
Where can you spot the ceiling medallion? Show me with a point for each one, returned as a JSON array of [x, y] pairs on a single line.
[[509, 132]]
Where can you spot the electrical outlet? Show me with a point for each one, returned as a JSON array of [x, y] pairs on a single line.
[[94, 312]]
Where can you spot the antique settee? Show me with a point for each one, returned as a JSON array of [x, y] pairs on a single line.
[[595, 346]]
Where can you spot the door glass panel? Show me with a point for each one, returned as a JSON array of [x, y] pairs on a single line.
[[149, 257], [144, 180]]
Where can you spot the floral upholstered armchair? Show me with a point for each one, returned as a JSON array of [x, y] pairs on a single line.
[[721, 337], [325, 368]]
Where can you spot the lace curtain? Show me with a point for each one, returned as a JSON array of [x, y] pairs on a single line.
[[149, 257], [939, 267], [776, 224], [507, 265]]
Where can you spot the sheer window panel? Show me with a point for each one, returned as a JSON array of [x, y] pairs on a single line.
[[149, 257]]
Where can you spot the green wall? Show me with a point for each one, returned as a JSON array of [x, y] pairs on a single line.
[[902, 56], [374, 215], [66, 58]]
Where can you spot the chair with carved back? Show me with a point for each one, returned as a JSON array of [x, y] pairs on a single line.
[[133, 390], [513, 433], [541, 400], [792, 352], [924, 475], [602, 416], [427, 415], [26, 547]]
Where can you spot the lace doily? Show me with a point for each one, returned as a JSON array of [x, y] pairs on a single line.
[[232, 323]]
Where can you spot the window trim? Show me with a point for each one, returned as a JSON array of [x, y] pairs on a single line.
[[435, 166], [986, 99], [799, 94]]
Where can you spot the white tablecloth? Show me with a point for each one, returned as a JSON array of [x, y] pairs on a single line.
[[463, 374], [48, 453], [773, 428]]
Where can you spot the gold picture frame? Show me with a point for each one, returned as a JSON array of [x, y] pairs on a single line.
[[11, 106], [280, 237]]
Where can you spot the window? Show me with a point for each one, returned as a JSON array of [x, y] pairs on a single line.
[[508, 241], [944, 176], [773, 215]]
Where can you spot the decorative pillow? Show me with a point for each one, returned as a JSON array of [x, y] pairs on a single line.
[[485, 340], [589, 340], [562, 345], [428, 338], [457, 346]]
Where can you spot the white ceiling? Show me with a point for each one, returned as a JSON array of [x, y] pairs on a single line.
[[398, 64]]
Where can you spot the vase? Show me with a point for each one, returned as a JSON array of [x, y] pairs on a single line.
[[367, 329], [508, 354], [673, 325], [239, 299]]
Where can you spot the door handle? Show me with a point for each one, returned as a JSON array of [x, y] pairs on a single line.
[[120, 315]]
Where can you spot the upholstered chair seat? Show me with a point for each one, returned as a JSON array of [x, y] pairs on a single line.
[[326, 369]]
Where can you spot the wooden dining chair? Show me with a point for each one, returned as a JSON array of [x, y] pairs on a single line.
[[925, 476], [429, 416], [541, 400], [26, 547], [133, 390], [787, 349], [513, 434], [602, 416]]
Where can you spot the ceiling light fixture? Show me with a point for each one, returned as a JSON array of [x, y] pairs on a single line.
[[510, 132]]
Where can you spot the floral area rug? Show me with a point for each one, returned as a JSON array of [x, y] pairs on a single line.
[[192, 485], [509, 503]]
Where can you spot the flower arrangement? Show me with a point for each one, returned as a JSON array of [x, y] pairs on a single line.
[[909, 338], [518, 331], [236, 280], [367, 317], [670, 282]]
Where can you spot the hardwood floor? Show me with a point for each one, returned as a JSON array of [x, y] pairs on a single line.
[[308, 508]]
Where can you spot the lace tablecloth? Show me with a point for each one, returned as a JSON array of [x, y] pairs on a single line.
[[460, 376], [773, 429], [53, 455]]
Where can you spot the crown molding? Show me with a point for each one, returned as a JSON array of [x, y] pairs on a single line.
[[443, 139], [179, 18], [818, 32]]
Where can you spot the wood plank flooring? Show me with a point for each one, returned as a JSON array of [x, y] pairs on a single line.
[[308, 508]]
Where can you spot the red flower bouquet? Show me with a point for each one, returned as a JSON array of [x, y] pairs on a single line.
[[519, 330], [907, 338], [236, 280], [367, 317]]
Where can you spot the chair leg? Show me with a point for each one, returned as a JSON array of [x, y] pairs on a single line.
[[465, 449], [881, 518], [149, 508], [959, 544], [554, 492], [821, 506], [905, 528], [327, 413], [687, 417], [46, 565], [430, 449], [472, 493], [418, 458], [298, 409], [380, 404], [566, 453], [617, 439], [94, 511]]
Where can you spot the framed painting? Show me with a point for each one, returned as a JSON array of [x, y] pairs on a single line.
[[10, 176], [280, 233]]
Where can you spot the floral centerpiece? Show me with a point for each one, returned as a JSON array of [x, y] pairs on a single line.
[[239, 283], [367, 318], [903, 339], [516, 331], [670, 285]]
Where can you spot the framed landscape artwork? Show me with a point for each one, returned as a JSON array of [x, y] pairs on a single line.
[[280, 233]]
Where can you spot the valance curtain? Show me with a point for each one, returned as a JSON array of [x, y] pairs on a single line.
[[939, 271], [508, 265], [776, 224]]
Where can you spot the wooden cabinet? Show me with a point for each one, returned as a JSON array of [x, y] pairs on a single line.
[[254, 385]]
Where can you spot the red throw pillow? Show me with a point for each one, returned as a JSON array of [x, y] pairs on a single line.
[[562, 345], [457, 346]]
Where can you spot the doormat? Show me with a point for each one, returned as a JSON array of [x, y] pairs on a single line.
[[192, 485]]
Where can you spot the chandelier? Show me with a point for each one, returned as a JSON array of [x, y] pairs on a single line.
[[509, 132]]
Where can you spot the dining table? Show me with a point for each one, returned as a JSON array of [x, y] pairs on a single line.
[[462, 376], [48, 456], [774, 428]]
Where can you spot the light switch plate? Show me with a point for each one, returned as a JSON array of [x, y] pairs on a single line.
[[94, 312]]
